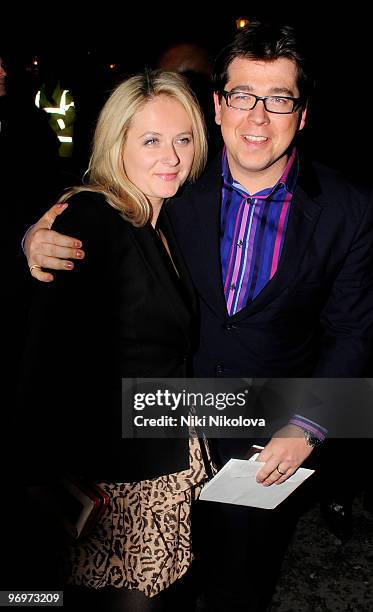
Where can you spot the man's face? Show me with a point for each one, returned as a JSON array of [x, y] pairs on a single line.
[[257, 141]]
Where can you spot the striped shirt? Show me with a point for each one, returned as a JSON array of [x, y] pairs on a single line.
[[253, 230], [313, 428]]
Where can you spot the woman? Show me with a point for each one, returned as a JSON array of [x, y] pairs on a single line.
[[135, 319]]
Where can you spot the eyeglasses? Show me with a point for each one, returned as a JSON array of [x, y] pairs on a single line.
[[281, 105]]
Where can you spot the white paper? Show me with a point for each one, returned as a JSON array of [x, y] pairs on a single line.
[[236, 484]]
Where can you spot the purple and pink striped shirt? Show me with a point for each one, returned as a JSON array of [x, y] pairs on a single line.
[[253, 229]]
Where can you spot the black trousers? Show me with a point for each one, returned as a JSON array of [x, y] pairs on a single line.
[[240, 555], [241, 549]]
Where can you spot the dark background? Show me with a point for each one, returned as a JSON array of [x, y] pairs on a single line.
[[79, 47]]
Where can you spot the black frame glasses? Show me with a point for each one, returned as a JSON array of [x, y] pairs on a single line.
[[228, 94]]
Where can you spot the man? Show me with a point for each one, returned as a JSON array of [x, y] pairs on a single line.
[[280, 254]]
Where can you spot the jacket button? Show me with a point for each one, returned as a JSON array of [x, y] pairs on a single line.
[[229, 326], [219, 369]]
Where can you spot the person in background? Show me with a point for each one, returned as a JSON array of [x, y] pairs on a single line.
[[135, 319], [193, 61], [186, 57], [23, 127], [29, 175], [280, 252]]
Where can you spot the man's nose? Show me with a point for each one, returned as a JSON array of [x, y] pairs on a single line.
[[258, 114]]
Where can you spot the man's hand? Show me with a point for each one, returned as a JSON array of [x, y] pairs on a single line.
[[285, 452], [45, 248]]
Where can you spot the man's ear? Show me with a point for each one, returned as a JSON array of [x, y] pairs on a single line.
[[217, 104], [302, 118]]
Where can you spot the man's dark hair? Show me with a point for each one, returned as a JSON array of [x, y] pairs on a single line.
[[268, 42]]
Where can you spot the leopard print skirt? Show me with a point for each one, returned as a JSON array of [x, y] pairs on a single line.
[[143, 540]]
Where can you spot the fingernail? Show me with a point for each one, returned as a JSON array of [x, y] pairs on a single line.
[[77, 244], [63, 205], [68, 265], [79, 254]]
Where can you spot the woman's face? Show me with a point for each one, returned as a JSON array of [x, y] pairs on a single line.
[[159, 149]]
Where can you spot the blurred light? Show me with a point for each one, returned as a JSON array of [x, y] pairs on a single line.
[[61, 124], [241, 22], [65, 138], [112, 66], [35, 61]]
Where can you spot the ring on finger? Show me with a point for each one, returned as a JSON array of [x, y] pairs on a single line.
[[282, 473], [34, 266]]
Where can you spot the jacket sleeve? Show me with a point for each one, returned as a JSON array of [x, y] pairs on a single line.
[[347, 318], [336, 397], [62, 354]]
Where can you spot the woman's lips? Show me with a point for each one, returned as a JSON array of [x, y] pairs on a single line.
[[167, 177]]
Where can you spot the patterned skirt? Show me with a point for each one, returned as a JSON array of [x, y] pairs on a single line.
[[143, 540]]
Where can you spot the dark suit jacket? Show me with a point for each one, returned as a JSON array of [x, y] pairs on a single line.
[[122, 312], [315, 317]]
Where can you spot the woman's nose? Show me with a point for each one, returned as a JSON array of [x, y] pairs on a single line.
[[170, 156]]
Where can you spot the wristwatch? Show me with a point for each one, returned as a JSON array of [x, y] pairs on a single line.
[[311, 439]]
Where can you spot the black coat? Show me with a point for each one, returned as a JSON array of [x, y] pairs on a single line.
[[315, 317], [122, 312]]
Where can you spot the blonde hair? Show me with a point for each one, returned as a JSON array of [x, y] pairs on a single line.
[[106, 173]]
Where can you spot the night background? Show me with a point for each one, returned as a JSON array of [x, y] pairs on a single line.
[[90, 53]]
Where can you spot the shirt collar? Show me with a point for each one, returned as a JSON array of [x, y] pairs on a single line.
[[286, 182]]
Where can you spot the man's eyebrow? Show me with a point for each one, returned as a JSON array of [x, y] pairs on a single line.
[[242, 88], [284, 91]]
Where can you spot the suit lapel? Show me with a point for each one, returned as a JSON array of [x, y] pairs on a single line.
[[196, 222], [207, 247], [303, 219]]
